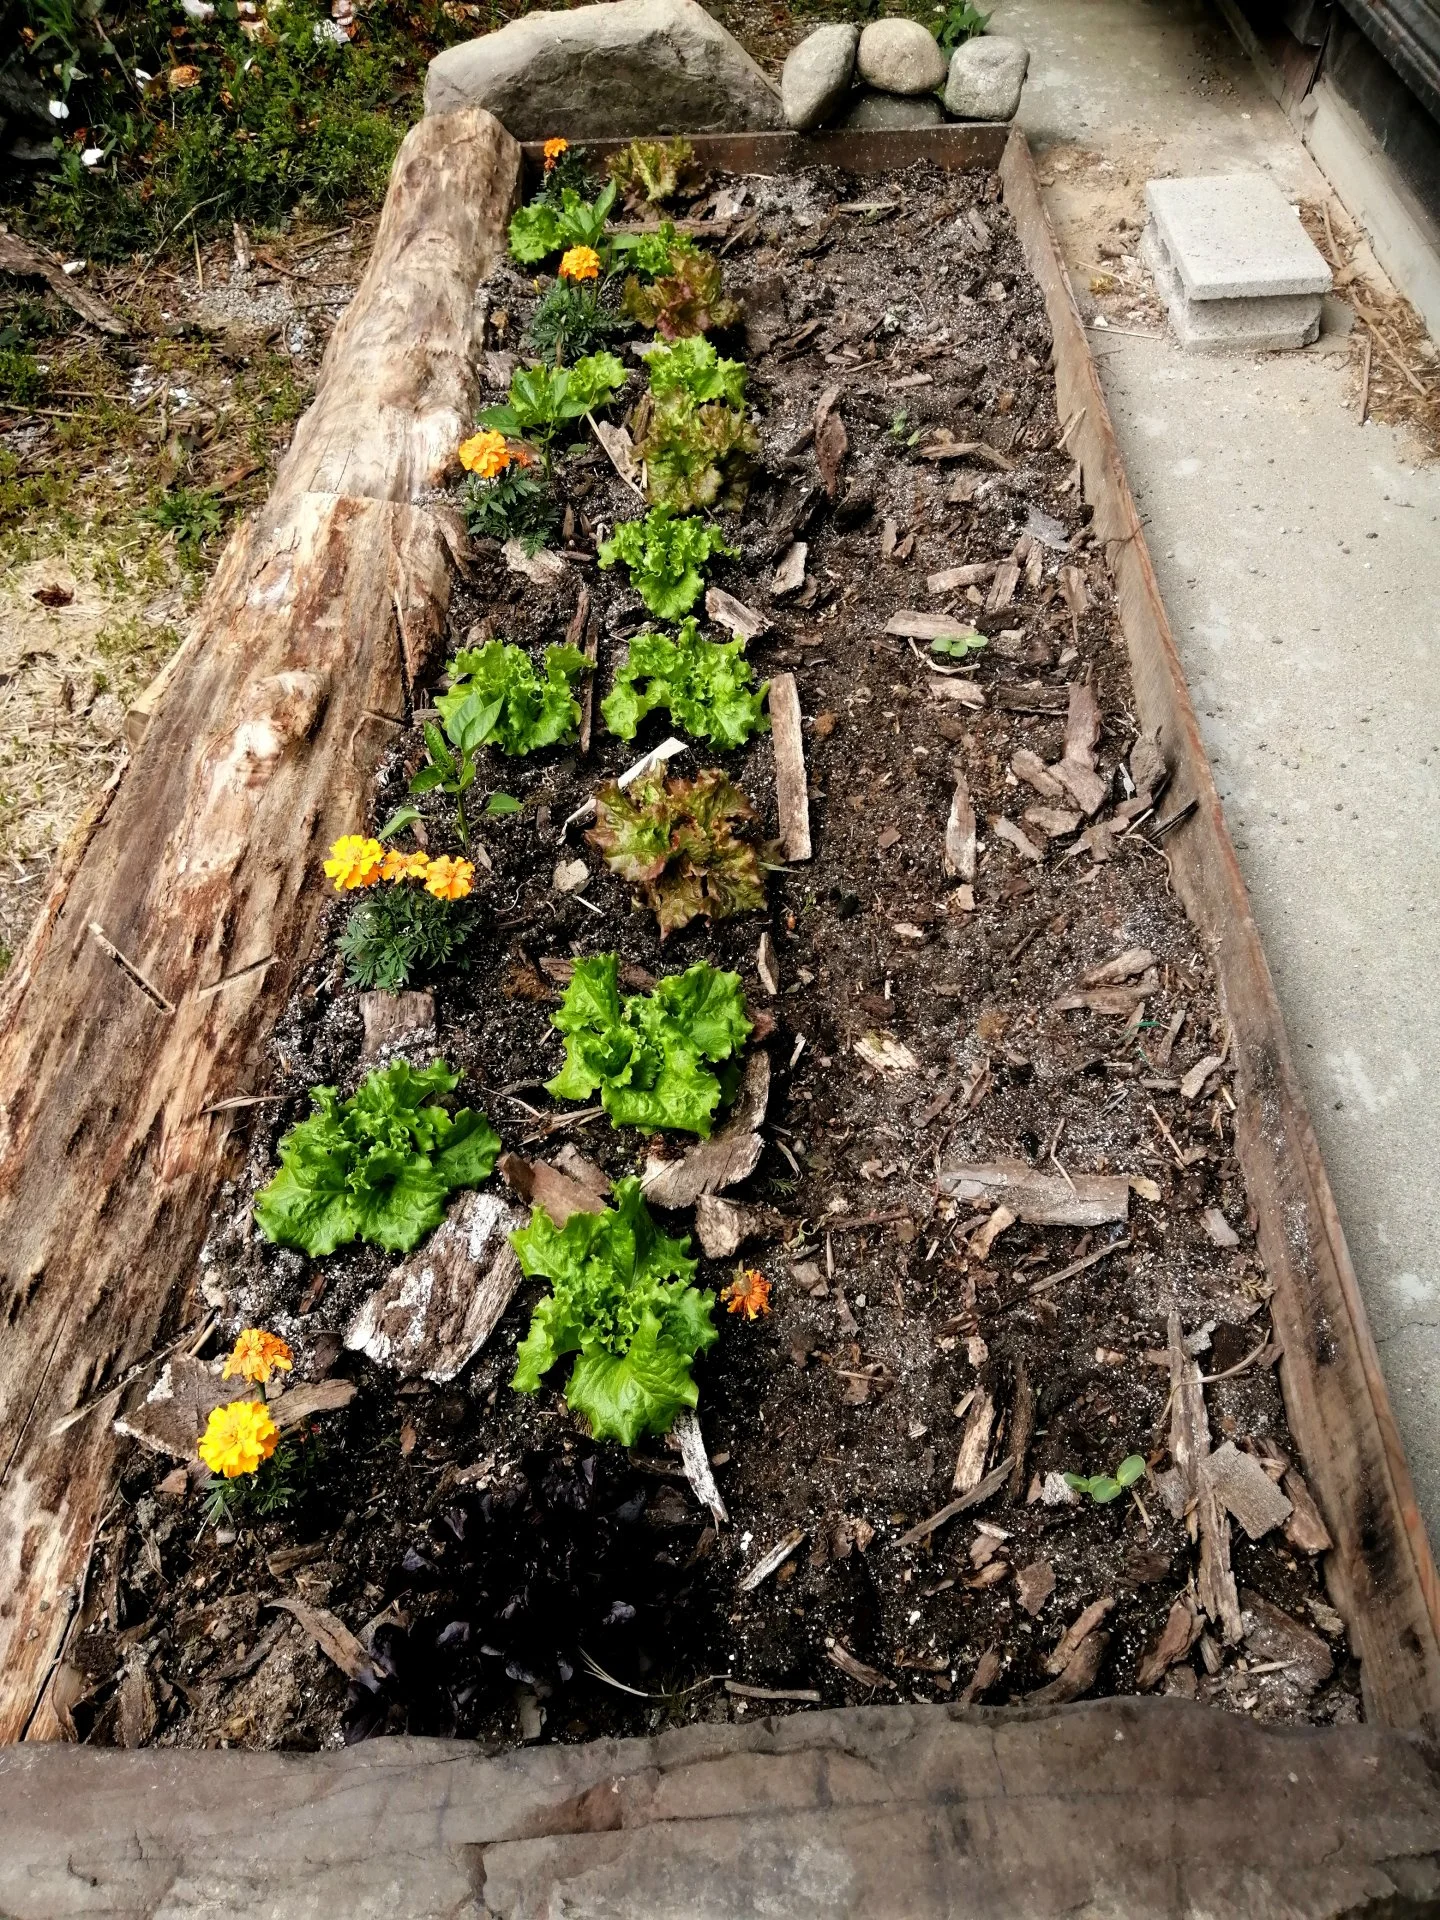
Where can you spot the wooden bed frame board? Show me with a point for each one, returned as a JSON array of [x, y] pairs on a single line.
[[198, 867]]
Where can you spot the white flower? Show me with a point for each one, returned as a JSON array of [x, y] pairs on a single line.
[[198, 9], [92, 156], [59, 110]]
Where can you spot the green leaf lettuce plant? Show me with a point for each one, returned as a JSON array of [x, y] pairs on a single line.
[[377, 1167], [498, 699], [708, 687], [649, 1055], [543, 227], [621, 1300], [664, 556]]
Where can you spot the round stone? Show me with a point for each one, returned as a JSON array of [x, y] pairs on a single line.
[[986, 75], [817, 75], [900, 56]]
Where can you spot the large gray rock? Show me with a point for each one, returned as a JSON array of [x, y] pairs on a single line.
[[817, 75], [900, 56], [624, 67], [985, 79], [883, 112]]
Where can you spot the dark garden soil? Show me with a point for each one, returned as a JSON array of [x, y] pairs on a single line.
[[487, 1553]]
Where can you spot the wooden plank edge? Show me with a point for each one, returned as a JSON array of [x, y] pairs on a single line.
[[1401, 1705]]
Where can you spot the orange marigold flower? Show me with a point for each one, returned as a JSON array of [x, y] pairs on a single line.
[[449, 879], [256, 1355], [354, 862], [748, 1293], [238, 1438], [404, 866], [485, 453], [553, 151], [580, 263]]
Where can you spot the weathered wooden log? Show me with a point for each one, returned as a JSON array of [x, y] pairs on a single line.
[[183, 910]]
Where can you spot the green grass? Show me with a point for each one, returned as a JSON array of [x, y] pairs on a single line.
[[276, 121]]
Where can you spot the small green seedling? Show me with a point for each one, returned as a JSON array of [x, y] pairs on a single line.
[[1102, 1488], [959, 22], [956, 646]]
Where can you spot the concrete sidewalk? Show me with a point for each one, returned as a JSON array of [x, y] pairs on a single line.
[[1299, 557]]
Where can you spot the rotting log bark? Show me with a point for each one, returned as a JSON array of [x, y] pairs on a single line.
[[1381, 1575], [198, 869]]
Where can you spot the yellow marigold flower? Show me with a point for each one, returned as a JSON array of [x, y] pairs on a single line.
[[485, 454], [553, 151], [256, 1355], [354, 862], [238, 1438], [449, 879], [580, 263], [404, 866], [747, 1293]]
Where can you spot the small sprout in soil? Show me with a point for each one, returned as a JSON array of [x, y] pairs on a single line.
[[956, 646], [707, 686], [901, 431], [1102, 1488], [648, 1054], [499, 804], [664, 556], [689, 847], [656, 170], [747, 1293], [557, 219], [688, 299], [544, 399], [505, 498], [377, 1167], [621, 1300]]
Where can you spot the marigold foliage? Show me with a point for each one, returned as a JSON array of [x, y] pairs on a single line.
[[649, 1055], [404, 935], [707, 686], [621, 1300], [688, 847], [686, 300], [377, 1167], [516, 505], [664, 556], [257, 1355], [238, 1438], [570, 322]]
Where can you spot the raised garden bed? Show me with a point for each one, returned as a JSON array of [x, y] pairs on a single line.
[[909, 1322]]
